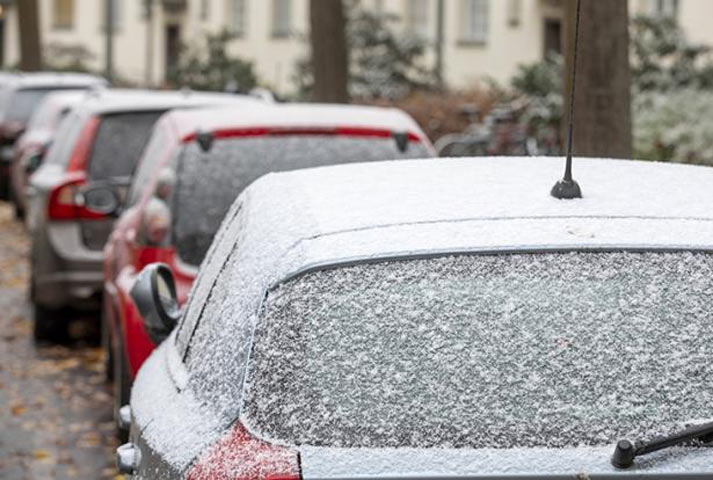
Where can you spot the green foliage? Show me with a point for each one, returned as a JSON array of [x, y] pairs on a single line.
[[540, 79], [383, 64], [672, 92], [676, 126], [209, 67], [672, 107], [663, 59]]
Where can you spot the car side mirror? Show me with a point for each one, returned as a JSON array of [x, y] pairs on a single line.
[[154, 294], [102, 199], [32, 162]]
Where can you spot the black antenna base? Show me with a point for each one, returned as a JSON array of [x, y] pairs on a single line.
[[566, 190]]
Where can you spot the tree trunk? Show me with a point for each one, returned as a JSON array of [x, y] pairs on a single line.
[[329, 51], [602, 118], [29, 23]]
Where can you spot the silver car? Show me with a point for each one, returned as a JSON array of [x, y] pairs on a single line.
[[438, 319], [97, 145], [20, 95]]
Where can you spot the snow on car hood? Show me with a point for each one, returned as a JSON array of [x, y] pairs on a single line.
[[521, 464]]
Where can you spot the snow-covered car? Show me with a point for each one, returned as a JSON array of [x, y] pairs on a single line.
[[186, 182], [437, 319]]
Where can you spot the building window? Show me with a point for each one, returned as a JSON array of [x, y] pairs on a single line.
[[238, 17], [281, 13], [664, 8], [514, 12], [117, 8], [475, 21], [417, 17], [63, 14], [205, 10]]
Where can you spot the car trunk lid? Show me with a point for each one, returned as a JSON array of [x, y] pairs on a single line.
[[577, 463]]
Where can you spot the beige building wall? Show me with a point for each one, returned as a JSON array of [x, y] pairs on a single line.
[[516, 32], [273, 58]]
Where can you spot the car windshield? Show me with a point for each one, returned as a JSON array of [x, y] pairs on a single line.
[[540, 350], [24, 102], [208, 183], [119, 142]]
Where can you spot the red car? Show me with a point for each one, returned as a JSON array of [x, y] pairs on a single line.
[[194, 167], [32, 145]]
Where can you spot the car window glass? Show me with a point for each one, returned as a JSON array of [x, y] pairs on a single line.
[[119, 142], [209, 182], [43, 117], [508, 351], [214, 263], [146, 168], [24, 102], [65, 138]]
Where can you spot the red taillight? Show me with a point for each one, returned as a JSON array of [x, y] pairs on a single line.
[[241, 456], [83, 146], [66, 202]]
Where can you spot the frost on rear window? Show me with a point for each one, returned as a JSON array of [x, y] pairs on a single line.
[[545, 350], [119, 142], [208, 183]]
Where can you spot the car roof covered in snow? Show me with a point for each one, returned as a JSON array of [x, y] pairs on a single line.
[[107, 101], [52, 79], [295, 115], [424, 206], [65, 98]]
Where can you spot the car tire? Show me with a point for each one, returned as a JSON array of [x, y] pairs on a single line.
[[48, 324], [122, 389]]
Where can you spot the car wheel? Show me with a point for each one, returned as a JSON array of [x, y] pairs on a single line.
[[48, 323], [122, 389]]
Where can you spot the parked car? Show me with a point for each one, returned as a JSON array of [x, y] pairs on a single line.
[[32, 145], [193, 169], [19, 96], [69, 216], [436, 319]]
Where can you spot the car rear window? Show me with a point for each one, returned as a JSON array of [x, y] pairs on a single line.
[[119, 142], [547, 350], [23, 102], [208, 183]]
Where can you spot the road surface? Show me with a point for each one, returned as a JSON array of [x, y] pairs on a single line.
[[55, 407]]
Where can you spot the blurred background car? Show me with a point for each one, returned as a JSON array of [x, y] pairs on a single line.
[[194, 167], [32, 145], [19, 97], [363, 321], [70, 212]]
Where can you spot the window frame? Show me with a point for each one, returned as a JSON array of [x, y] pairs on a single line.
[[417, 18], [281, 19], [238, 17], [61, 19], [475, 22]]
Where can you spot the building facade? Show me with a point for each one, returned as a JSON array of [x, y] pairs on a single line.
[[477, 38]]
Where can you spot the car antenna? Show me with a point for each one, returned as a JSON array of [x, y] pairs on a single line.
[[568, 188]]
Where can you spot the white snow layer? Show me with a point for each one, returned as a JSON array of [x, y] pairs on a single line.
[[291, 221]]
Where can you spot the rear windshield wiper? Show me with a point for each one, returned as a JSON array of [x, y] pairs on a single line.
[[626, 452]]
